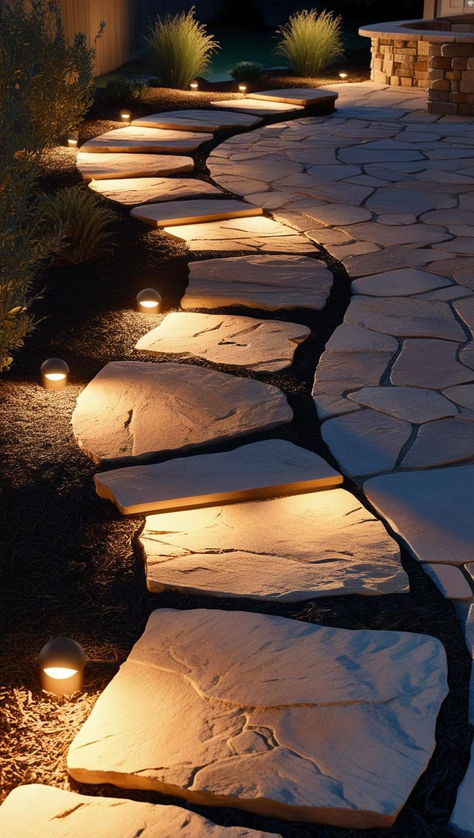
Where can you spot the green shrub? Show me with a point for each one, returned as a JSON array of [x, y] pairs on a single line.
[[84, 226], [124, 91], [179, 48], [310, 41], [248, 71]]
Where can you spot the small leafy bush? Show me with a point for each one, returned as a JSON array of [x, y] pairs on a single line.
[[310, 41], [84, 225], [247, 71], [179, 48], [124, 91]]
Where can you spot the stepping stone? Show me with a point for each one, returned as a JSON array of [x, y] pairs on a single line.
[[254, 234], [132, 409], [193, 212], [411, 404], [303, 96], [466, 355], [340, 372], [261, 345], [266, 282], [430, 363], [350, 338], [465, 309], [338, 214], [365, 442], [461, 821], [259, 470], [324, 544], [270, 715], [445, 441], [144, 190], [462, 395], [398, 283], [407, 317], [388, 259], [431, 511], [113, 166], [198, 120], [34, 810], [133, 139], [248, 105], [450, 581]]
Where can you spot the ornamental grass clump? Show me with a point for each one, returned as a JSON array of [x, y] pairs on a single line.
[[310, 41], [85, 227], [180, 49]]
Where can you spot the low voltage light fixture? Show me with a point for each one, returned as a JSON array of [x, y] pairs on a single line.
[[343, 75], [72, 140], [243, 89], [125, 115], [54, 374], [148, 301], [194, 85], [62, 663]]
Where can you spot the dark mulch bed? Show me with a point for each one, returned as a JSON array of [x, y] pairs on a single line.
[[70, 563]]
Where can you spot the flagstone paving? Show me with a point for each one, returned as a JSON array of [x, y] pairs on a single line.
[[133, 139], [34, 810], [462, 818], [198, 120], [260, 345], [113, 166], [303, 96], [262, 469], [254, 106], [193, 212], [252, 234], [303, 747], [132, 409], [145, 190]]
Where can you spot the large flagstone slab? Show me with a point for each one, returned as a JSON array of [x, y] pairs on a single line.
[[267, 282], [267, 714], [431, 511], [34, 810], [412, 404], [398, 283], [365, 442], [198, 120], [253, 234], [262, 469], [447, 440], [144, 190], [193, 212], [350, 338], [261, 345], [461, 821], [407, 317], [256, 106], [430, 363], [304, 96], [132, 408], [133, 139], [286, 549], [340, 372], [113, 166]]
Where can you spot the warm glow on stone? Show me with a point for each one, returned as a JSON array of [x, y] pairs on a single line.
[[59, 672]]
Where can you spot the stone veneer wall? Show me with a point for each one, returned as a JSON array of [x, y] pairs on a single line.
[[399, 63]]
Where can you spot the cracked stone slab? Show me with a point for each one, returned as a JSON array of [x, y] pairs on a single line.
[[399, 283], [341, 739], [193, 212], [253, 234], [431, 511], [365, 442], [430, 363], [461, 821], [262, 469], [33, 810], [144, 190], [133, 408], [261, 345], [266, 282], [411, 404], [325, 543], [255, 106], [304, 96], [198, 120], [407, 317], [133, 139], [450, 581], [442, 442], [113, 166]]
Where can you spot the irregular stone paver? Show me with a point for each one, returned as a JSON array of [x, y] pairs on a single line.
[[113, 166], [390, 234], [262, 345], [262, 469], [461, 821], [317, 744], [193, 212], [465, 309], [431, 510], [198, 120], [462, 395], [350, 338], [253, 234], [449, 580], [409, 403], [409, 318], [398, 283], [133, 139], [444, 441], [429, 363], [267, 282], [339, 372], [365, 442], [394, 199], [303, 96], [34, 810], [131, 409], [390, 258], [255, 106], [339, 214], [144, 190], [325, 543], [466, 356]]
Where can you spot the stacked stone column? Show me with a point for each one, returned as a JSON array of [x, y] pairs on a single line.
[[399, 63], [451, 79]]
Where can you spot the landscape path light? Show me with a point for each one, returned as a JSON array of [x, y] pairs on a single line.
[[343, 75], [194, 85], [125, 115], [243, 89], [54, 374], [148, 301], [72, 140], [62, 663]]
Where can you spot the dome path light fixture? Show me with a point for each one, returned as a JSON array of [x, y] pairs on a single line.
[[343, 75], [148, 301], [62, 662], [125, 115], [72, 140], [54, 374], [243, 89], [194, 85]]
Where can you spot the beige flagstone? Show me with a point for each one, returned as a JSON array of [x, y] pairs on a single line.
[[198, 119], [133, 139], [144, 190], [193, 212], [113, 166], [304, 96], [255, 106], [254, 234]]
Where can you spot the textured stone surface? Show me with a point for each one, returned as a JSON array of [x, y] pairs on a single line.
[[445, 441], [135, 139], [409, 403], [317, 744], [193, 212], [462, 395], [287, 549], [144, 190], [461, 821], [449, 580], [431, 510], [339, 372], [256, 106], [430, 363], [267, 282], [262, 345], [303, 96], [465, 309], [198, 120], [253, 234], [262, 469], [34, 810], [132, 408], [365, 442], [113, 166], [398, 283], [350, 338], [410, 318]]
